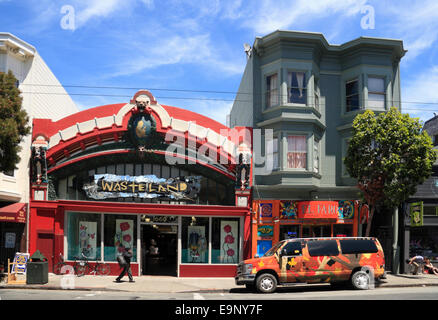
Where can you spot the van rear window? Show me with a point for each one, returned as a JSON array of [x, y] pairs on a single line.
[[358, 246], [323, 248]]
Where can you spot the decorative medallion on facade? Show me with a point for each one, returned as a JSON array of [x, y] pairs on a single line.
[[346, 209], [142, 125], [265, 210], [288, 210]]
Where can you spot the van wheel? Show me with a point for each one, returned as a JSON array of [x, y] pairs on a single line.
[[266, 283], [360, 280]]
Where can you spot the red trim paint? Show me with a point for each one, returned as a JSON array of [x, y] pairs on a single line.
[[211, 270]]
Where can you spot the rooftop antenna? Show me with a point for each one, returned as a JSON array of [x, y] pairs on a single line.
[[248, 49]]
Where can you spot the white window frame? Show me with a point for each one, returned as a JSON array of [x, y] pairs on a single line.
[[268, 92]]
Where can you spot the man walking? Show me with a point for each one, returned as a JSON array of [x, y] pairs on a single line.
[[125, 262]]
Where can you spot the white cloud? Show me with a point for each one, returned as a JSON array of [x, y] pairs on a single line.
[[93, 9], [416, 23], [175, 49]]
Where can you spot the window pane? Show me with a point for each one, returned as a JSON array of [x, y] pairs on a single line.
[[297, 151], [376, 85], [271, 91], [358, 246], [119, 230], [316, 156], [83, 235], [225, 240], [323, 248], [194, 240], [289, 231], [376, 100], [272, 154], [297, 87], [352, 103], [342, 230], [293, 248], [352, 88]]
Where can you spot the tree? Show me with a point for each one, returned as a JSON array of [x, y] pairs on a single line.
[[13, 122], [389, 155]]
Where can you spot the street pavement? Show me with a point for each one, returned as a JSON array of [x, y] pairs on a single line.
[[164, 284]]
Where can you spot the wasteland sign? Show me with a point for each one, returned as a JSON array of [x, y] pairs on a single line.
[[107, 186]]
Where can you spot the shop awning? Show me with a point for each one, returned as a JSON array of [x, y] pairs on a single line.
[[15, 212]]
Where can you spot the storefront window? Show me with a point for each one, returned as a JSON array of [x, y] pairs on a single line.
[[119, 230], [342, 230], [84, 235], [194, 240], [289, 232], [424, 241], [225, 240]]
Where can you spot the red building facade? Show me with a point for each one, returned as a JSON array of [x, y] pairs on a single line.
[[157, 179]]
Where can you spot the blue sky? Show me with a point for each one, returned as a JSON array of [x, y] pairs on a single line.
[[194, 49]]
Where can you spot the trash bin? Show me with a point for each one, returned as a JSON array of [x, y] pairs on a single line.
[[37, 269]]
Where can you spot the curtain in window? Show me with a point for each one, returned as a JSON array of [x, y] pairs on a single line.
[[300, 81], [297, 151]]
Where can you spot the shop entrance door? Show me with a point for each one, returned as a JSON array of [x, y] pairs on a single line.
[[316, 231], [159, 249]]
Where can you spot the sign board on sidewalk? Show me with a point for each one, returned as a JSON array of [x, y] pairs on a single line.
[[20, 263]]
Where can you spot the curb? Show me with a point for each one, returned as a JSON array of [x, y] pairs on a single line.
[[212, 290]]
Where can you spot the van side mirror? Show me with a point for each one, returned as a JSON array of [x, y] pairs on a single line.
[[283, 252]]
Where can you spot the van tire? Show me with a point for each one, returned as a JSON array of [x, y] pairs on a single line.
[[266, 283], [360, 280]]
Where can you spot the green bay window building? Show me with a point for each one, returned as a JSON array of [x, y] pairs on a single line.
[[302, 94]]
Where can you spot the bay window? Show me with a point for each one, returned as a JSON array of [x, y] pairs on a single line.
[[296, 152]]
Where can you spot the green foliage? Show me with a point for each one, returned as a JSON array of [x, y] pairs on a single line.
[[13, 122], [389, 155]]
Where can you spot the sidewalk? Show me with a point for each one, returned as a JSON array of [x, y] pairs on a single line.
[[163, 284]]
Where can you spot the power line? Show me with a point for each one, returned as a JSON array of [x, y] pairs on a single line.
[[179, 90], [218, 99]]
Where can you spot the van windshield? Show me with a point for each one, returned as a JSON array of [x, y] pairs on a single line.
[[274, 249]]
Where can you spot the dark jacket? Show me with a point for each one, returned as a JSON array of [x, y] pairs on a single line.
[[128, 255]]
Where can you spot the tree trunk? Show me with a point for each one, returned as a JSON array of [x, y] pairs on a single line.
[[370, 219]]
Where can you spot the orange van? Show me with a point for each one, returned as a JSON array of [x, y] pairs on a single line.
[[357, 261]]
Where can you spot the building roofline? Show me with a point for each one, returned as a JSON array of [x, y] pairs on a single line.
[[16, 42], [319, 37]]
